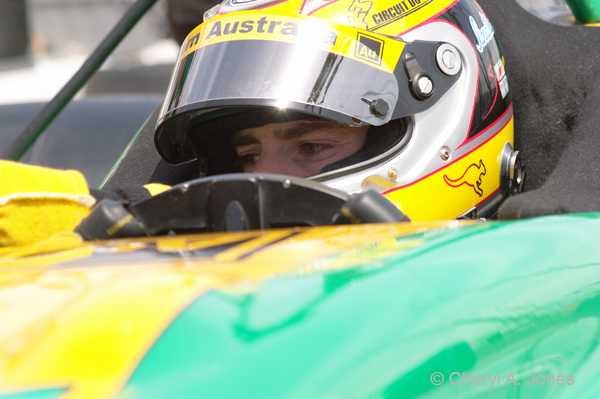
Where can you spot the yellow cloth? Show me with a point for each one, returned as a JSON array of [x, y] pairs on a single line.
[[37, 203]]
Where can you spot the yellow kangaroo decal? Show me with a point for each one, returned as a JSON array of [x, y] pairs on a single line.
[[471, 177]]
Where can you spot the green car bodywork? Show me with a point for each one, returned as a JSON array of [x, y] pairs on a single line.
[[520, 298], [585, 11]]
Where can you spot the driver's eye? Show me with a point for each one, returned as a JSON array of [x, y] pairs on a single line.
[[250, 159], [312, 148]]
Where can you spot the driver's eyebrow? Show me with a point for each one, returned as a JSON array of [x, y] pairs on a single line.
[[303, 128], [240, 139], [293, 131]]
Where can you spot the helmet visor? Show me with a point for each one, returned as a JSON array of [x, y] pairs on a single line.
[[288, 61]]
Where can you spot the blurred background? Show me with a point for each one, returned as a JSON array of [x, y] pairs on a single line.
[[44, 42], [554, 11]]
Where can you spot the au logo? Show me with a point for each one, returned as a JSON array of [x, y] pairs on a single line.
[[369, 48]]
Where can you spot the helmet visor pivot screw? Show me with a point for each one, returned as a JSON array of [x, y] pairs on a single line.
[[378, 106], [425, 85], [392, 173], [445, 153], [448, 59], [422, 86]]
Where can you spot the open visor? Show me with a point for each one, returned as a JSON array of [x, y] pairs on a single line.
[[294, 62]]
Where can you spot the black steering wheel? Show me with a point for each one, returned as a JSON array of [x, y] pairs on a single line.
[[236, 202]]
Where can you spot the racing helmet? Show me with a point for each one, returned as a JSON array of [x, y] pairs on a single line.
[[426, 76]]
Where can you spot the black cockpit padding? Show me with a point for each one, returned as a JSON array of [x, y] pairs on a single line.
[[554, 77], [574, 184], [141, 164]]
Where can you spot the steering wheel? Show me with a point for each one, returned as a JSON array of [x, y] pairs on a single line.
[[236, 202]]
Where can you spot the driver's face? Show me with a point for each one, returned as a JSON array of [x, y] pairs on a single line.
[[300, 148]]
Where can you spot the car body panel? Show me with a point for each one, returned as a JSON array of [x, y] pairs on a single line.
[[344, 311]]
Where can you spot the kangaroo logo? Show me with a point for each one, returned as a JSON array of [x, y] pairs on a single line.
[[471, 177]]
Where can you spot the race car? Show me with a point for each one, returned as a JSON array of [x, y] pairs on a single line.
[[258, 285]]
